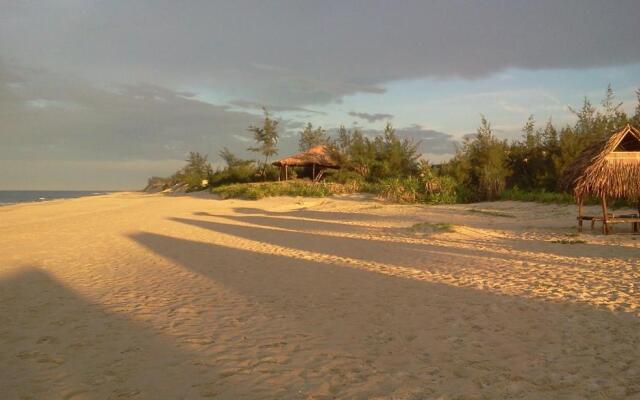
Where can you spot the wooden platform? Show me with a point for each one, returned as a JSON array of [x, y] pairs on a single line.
[[633, 219]]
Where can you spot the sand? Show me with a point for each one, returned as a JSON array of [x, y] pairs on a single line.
[[142, 296]]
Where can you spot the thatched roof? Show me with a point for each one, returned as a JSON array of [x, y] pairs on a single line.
[[318, 155], [609, 168]]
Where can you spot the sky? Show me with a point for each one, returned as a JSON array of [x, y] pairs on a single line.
[[100, 95]]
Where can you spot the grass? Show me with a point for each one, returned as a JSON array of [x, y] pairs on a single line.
[[539, 196], [427, 228], [492, 213], [255, 191], [569, 241]]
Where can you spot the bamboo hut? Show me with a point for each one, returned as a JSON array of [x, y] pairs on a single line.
[[317, 158], [609, 169]]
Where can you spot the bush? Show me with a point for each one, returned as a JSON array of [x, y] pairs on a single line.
[[539, 196], [437, 190], [255, 191], [443, 190], [400, 190], [343, 176], [241, 173]]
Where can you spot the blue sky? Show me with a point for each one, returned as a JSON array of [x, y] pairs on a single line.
[[101, 95], [507, 98]]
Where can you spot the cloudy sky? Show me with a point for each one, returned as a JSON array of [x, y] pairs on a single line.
[[103, 94]]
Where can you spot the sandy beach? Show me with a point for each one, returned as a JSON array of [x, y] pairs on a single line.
[[140, 296]]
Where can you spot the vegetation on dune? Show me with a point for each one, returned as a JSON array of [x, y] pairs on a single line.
[[259, 190], [188, 179], [569, 241], [484, 167], [493, 213], [425, 228], [266, 138], [310, 137], [538, 196]]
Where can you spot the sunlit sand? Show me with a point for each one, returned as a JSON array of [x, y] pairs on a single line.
[[167, 297]]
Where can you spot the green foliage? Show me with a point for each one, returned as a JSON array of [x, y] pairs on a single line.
[[400, 190], [427, 187], [426, 228], [493, 213], [236, 171], [385, 156], [343, 176], [189, 178], [481, 163], [197, 170], [569, 241], [242, 173], [310, 137], [535, 164], [232, 160], [636, 117], [266, 138], [538, 196], [255, 191], [484, 167]]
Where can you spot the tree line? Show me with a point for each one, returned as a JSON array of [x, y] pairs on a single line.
[[483, 167]]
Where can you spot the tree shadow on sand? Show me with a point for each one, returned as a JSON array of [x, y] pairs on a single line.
[[319, 215], [371, 334], [304, 235], [54, 344]]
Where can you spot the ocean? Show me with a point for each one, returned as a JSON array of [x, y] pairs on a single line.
[[24, 196]]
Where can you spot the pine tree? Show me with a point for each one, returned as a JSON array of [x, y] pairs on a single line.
[[266, 138], [310, 137], [636, 117]]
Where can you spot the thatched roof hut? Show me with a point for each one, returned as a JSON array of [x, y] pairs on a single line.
[[318, 158], [607, 169]]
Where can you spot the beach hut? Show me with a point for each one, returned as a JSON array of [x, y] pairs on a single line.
[[317, 158], [609, 169]]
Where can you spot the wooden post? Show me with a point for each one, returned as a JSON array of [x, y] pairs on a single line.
[[580, 214], [605, 225], [286, 172], [313, 172], [280, 174]]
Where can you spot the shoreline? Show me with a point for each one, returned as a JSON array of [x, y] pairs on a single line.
[[29, 196]]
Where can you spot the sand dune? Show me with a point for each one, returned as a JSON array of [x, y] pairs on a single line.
[[185, 297]]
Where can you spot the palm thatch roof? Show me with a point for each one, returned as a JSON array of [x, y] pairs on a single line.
[[609, 168], [318, 155]]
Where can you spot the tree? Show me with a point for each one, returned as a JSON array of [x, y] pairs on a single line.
[[613, 118], [231, 159], [609, 104], [394, 157], [531, 138], [636, 117], [550, 135], [266, 138], [196, 170], [586, 117], [481, 162], [310, 137]]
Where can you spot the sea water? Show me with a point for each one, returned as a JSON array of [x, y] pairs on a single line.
[[23, 196]]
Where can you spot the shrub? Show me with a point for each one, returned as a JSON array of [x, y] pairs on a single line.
[[343, 176], [400, 190], [241, 173], [538, 196], [441, 190], [254, 191]]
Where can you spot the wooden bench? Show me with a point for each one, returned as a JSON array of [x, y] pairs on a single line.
[[633, 219]]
